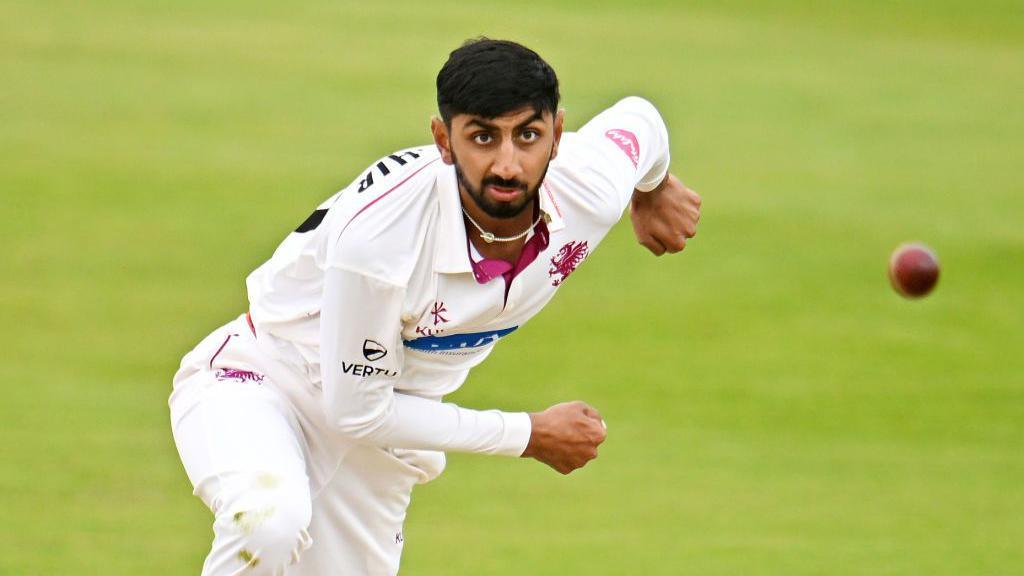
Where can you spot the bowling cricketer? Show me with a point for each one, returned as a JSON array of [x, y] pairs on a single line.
[[304, 423]]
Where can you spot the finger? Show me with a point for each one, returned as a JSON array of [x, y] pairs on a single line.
[[683, 224], [695, 198], [690, 229], [673, 242], [694, 214], [591, 412], [652, 244]]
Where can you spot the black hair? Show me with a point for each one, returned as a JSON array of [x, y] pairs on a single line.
[[490, 78]]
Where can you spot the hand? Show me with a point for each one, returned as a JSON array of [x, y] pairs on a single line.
[[666, 217], [566, 436]]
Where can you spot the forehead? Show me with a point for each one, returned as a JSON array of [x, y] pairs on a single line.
[[518, 117]]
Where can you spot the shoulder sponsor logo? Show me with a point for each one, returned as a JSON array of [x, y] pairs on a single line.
[[384, 167], [239, 375], [363, 370], [458, 341], [568, 258], [373, 350], [627, 142]]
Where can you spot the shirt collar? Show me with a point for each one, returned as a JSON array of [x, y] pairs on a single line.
[[451, 256], [487, 269]]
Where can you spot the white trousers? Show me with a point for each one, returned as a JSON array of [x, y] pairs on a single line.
[[288, 496]]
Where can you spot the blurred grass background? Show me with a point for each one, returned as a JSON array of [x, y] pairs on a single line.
[[773, 407]]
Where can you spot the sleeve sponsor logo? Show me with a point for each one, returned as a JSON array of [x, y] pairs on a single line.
[[627, 142], [239, 375], [458, 341], [373, 350], [363, 370]]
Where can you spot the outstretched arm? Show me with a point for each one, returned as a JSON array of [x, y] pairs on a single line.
[[362, 361]]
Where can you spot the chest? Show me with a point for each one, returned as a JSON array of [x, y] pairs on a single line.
[[457, 314]]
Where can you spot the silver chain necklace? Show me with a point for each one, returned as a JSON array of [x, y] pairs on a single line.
[[490, 237]]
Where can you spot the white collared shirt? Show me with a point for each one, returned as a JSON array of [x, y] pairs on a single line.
[[376, 296]]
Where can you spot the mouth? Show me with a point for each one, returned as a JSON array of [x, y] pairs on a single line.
[[504, 194]]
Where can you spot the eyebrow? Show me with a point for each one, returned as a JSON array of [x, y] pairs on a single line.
[[488, 126]]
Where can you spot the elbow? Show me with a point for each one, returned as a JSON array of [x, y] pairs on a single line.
[[360, 426]]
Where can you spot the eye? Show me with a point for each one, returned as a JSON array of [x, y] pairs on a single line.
[[482, 138], [530, 135]]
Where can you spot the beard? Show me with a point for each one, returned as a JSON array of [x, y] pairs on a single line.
[[499, 209]]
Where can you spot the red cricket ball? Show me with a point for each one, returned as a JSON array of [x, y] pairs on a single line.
[[913, 270]]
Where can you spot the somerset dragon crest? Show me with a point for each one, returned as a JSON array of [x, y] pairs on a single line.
[[567, 259]]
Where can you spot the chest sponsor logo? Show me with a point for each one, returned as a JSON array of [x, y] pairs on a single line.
[[438, 311], [565, 262], [627, 142], [458, 341], [373, 350], [364, 370], [428, 331]]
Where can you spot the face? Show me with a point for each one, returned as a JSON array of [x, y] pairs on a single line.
[[500, 162]]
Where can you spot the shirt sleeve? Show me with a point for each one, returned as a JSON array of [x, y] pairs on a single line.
[[361, 363], [632, 140]]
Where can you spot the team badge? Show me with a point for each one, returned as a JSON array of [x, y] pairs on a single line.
[[568, 258]]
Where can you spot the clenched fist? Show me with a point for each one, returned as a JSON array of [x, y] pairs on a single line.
[[566, 436], [666, 217]]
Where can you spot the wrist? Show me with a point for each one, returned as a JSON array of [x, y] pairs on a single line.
[[639, 194]]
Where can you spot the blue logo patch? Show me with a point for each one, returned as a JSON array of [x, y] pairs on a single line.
[[458, 341]]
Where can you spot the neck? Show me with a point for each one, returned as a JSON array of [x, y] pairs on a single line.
[[501, 227]]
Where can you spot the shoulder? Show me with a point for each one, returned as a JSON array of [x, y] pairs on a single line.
[[610, 155], [626, 108], [580, 174], [381, 219], [630, 127]]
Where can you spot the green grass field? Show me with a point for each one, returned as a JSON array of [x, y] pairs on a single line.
[[774, 408]]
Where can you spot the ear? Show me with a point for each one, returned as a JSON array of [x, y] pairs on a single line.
[[559, 125], [441, 139]]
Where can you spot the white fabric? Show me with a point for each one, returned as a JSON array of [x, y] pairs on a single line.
[[276, 481], [388, 265], [316, 427]]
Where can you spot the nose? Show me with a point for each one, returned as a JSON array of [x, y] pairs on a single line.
[[506, 165]]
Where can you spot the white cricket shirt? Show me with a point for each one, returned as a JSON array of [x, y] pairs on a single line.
[[381, 300]]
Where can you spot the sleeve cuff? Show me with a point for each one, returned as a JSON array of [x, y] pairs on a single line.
[[516, 435], [649, 183]]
